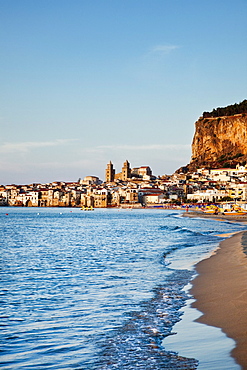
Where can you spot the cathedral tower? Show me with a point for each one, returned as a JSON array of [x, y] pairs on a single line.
[[109, 173], [126, 171]]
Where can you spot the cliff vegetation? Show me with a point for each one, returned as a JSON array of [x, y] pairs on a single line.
[[230, 110]]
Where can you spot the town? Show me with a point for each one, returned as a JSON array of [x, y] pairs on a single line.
[[134, 188]]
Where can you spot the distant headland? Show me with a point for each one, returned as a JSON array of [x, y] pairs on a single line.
[[220, 138]]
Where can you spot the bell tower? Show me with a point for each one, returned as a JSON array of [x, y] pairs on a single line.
[[126, 171], [109, 173]]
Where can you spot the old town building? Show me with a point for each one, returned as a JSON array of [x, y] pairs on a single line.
[[135, 187]]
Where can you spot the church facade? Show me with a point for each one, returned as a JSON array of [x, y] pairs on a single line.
[[127, 173]]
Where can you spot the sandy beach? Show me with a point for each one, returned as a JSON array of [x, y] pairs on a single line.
[[219, 217], [220, 292]]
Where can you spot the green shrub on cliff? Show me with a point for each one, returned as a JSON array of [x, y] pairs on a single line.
[[230, 110]]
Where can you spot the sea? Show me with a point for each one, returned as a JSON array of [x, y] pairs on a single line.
[[105, 289]]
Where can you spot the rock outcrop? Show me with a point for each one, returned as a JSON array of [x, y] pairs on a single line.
[[219, 142]]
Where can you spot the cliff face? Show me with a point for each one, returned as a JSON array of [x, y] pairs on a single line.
[[219, 142]]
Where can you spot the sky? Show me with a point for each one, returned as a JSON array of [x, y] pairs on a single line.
[[83, 82]]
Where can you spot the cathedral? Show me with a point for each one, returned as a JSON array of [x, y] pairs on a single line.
[[127, 173]]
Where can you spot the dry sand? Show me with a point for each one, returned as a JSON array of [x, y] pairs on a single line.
[[220, 291]]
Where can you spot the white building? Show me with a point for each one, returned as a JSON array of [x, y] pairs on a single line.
[[153, 198], [209, 195]]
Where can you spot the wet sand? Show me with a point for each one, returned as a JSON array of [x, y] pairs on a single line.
[[219, 217], [220, 291]]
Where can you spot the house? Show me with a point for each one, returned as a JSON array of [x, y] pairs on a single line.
[[153, 198], [89, 180]]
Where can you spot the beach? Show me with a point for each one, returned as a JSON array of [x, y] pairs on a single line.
[[220, 292], [218, 217]]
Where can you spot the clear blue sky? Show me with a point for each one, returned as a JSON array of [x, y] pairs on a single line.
[[85, 82]]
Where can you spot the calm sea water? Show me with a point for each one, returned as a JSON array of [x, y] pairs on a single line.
[[97, 290]]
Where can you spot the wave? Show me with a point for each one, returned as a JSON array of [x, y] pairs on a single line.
[[173, 214], [167, 227], [177, 247], [139, 339], [180, 229], [188, 231]]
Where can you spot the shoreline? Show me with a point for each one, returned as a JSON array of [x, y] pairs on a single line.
[[219, 217], [220, 292]]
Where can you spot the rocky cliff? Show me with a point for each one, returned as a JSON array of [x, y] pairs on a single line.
[[219, 142]]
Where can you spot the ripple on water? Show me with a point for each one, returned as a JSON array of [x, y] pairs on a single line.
[[93, 290]]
